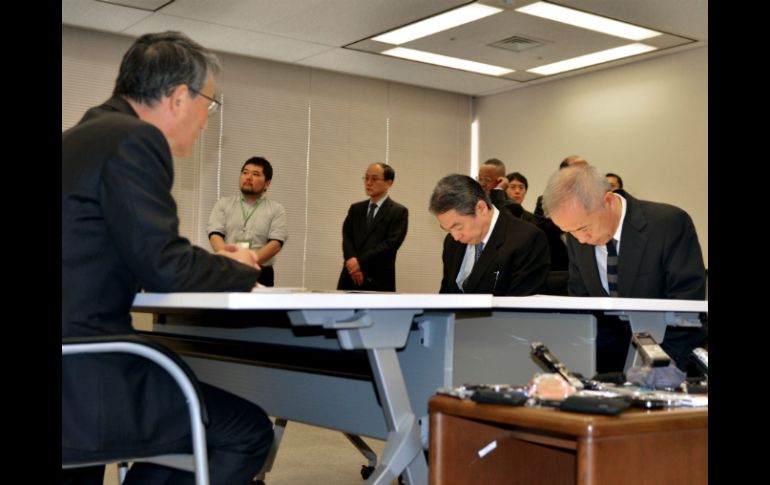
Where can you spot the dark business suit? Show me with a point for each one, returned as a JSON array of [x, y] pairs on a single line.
[[514, 261], [374, 246], [559, 257], [660, 257], [501, 200], [120, 234]]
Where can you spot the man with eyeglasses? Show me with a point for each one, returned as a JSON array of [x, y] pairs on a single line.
[[624, 247], [120, 233], [495, 184], [371, 235], [250, 219]]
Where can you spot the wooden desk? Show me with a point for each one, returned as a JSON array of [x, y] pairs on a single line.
[[547, 446]]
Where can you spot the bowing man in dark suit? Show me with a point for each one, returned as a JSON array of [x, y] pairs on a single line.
[[658, 253], [486, 250], [371, 235], [120, 233]]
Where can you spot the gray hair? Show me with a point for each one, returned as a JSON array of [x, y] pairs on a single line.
[[575, 182], [157, 63], [499, 165], [458, 192]]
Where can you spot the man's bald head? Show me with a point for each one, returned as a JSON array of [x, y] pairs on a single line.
[[573, 160]]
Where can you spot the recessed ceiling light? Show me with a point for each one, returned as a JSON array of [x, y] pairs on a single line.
[[446, 61], [587, 21], [437, 23], [591, 59]]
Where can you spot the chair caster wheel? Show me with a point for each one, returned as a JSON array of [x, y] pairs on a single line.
[[366, 471]]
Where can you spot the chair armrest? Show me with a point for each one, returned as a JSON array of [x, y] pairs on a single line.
[[140, 346]]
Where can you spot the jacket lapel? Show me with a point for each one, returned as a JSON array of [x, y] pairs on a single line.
[[455, 259], [632, 245], [485, 263], [586, 255], [381, 212]]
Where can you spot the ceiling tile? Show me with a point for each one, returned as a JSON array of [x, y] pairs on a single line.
[[313, 32], [100, 16], [228, 39]]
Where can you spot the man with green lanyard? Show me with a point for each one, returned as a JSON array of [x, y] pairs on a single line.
[[250, 219]]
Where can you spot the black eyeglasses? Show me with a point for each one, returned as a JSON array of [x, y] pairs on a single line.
[[213, 106]]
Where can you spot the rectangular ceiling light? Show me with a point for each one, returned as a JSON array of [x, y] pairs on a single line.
[[591, 59], [443, 21], [587, 21], [446, 61]]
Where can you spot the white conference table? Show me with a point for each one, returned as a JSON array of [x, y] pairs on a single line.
[[376, 323], [414, 343]]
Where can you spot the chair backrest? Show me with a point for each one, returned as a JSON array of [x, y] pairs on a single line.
[[182, 375]]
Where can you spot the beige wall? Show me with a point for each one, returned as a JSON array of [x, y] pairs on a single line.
[[646, 121], [319, 130]]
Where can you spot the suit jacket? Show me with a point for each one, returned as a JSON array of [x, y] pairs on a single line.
[[659, 257], [375, 247], [120, 234], [559, 257], [514, 261], [503, 203]]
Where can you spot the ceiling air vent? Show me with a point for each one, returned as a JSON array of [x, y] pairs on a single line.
[[518, 43]]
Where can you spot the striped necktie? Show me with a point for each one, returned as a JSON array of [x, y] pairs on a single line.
[[612, 268]]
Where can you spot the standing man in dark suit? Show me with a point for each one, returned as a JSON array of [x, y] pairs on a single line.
[[658, 253], [486, 250], [371, 235], [120, 233]]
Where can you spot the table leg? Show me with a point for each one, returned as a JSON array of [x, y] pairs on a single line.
[[403, 449]]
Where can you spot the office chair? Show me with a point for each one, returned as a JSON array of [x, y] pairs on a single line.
[[182, 375]]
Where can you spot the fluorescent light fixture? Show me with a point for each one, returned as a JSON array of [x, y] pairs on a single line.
[[591, 59], [438, 23], [446, 61], [587, 21]]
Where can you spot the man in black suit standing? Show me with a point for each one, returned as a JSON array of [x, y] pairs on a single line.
[[657, 250], [371, 235], [120, 233], [486, 250]]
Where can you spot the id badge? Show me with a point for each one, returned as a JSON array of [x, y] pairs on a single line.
[[243, 243]]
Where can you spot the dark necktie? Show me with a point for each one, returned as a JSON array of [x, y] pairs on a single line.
[[612, 268], [479, 249], [370, 215]]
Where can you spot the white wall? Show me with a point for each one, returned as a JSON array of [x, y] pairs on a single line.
[[646, 121]]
